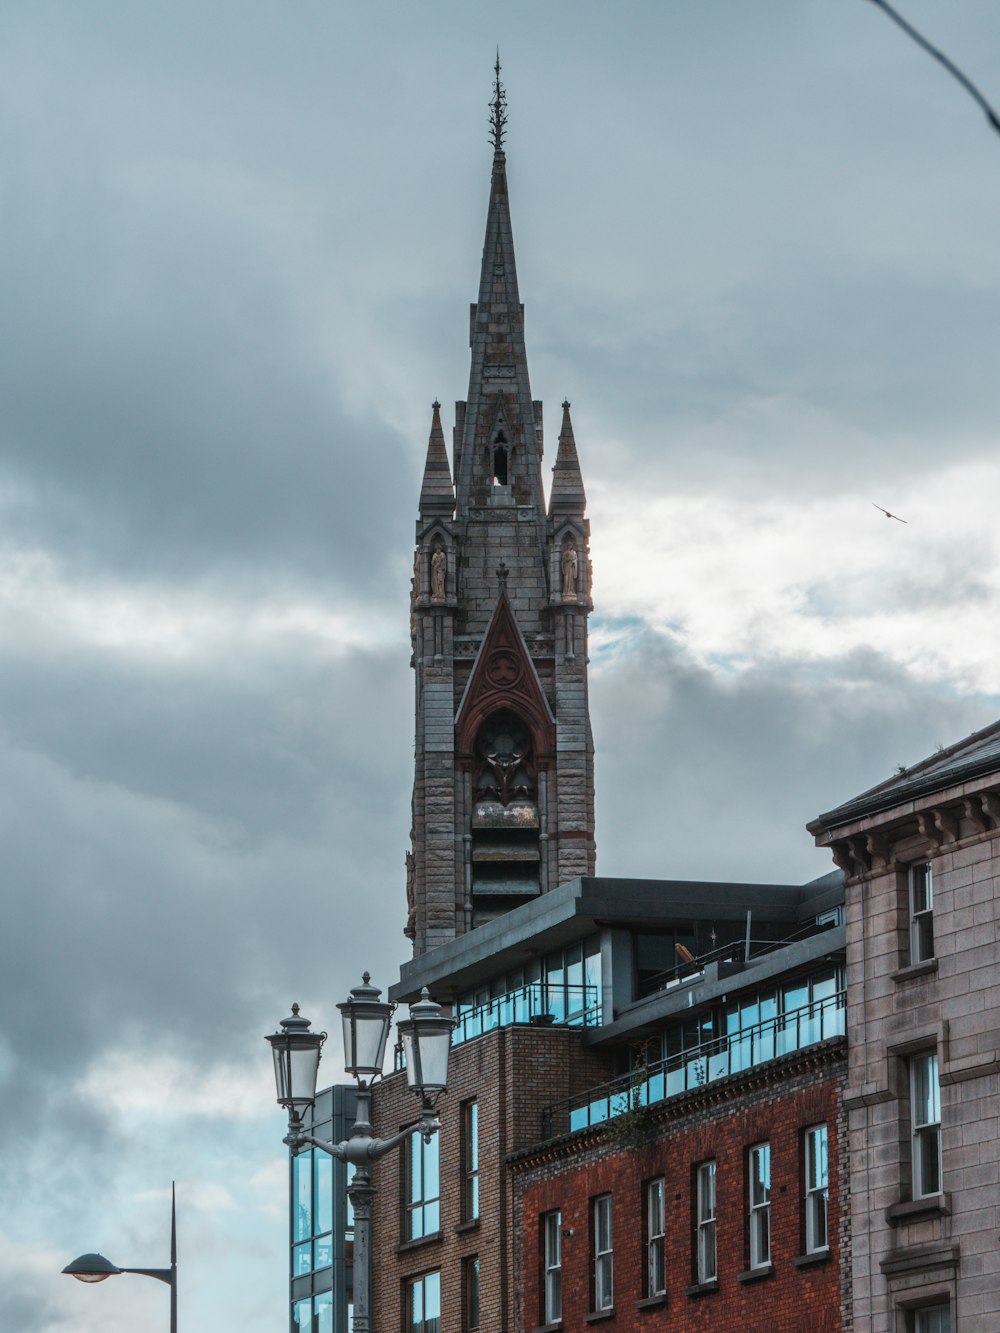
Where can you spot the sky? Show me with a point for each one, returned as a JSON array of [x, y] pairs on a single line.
[[238, 240]]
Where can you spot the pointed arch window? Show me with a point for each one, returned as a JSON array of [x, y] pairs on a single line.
[[500, 459]]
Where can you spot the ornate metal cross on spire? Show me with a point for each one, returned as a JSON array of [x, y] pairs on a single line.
[[498, 109]]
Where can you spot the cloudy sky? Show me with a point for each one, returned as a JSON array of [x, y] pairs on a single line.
[[757, 246]]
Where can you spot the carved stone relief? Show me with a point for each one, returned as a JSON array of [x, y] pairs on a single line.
[[570, 563], [439, 574]]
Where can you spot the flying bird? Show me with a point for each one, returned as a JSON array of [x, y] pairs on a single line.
[[888, 515]]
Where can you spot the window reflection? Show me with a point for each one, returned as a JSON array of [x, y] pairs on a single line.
[[320, 1285], [423, 1304], [701, 1049], [323, 1305], [565, 987], [302, 1193], [423, 1187], [323, 1191]]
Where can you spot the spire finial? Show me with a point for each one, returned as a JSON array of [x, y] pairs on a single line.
[[498, 109]]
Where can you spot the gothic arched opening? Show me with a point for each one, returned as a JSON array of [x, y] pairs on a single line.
[[505, 815], [500, 460], [500, 465]]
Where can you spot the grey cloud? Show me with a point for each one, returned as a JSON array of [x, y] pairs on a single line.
[[175, 437], [743, 396], [137, 902], [266, 740], [30, 1307], [239, 243], [716, 779]]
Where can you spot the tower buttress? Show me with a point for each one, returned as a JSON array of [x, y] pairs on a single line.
[[503, 795]]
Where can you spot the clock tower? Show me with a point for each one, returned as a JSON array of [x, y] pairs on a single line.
[[503, 791]]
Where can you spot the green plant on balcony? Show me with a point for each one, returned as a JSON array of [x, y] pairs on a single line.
[[627, 1129]]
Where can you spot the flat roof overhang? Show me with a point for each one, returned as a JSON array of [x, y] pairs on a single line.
[[582, 906]]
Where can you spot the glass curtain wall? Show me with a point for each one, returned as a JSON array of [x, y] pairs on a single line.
[[320, 1226], [562, 987]]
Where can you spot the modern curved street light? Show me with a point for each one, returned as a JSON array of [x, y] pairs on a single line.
[[296, 1049], [95, 1268]]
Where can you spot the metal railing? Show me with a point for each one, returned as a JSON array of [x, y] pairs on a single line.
[[737, 951], [690, 969], [537, 1003], [695, 1068]]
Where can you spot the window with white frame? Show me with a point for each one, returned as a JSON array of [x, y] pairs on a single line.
[[603, 1257], [925, 1124], [705, 1213], [423, 1186], [760, 1205], [817, 1188], [470, 1161], [931, 1319], [656, 1275], [552, 1262], [921, 913]]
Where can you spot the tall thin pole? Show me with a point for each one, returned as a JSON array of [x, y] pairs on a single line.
[[173, 1257], [362, 1193]]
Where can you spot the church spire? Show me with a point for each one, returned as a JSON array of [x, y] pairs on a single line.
[[500, 440], [567, 496], [503, 783], [437, 495], [498, 110]]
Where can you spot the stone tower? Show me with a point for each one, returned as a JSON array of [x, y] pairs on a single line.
[[503, 792]]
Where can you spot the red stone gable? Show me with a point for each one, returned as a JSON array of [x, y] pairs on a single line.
[[504, 676]]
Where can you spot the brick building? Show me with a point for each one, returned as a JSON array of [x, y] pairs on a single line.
[[609, 1034], [767, 1267], [671, 1105]]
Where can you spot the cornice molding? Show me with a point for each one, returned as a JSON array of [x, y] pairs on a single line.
[[825, 1056], [864, 853]]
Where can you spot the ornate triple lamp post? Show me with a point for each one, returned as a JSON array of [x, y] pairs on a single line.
[[296, 1049]]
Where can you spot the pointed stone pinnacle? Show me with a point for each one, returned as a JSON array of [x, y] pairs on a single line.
[[437, 495], [568, 496]]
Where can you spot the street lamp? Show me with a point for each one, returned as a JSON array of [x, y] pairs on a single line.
[[95, 1268], [296, 1050]]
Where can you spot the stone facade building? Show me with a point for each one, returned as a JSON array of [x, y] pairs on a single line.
[[921, 856], [503, 792]]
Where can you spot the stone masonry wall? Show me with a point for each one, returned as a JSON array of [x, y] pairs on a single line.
[[947, 1251]]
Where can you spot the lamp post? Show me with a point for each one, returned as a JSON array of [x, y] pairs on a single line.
[[95, 1268], [426, 1041]]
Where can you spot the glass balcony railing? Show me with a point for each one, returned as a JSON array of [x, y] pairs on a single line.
[[537, 1003], [703, 1064]]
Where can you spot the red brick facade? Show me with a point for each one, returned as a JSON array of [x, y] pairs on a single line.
[[512, 1073], [774, 1105]]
